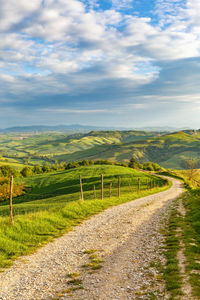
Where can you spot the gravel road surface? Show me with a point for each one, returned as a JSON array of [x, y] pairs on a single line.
[[127, 237]]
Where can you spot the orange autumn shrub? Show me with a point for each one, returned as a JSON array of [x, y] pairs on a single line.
[[5, 189]]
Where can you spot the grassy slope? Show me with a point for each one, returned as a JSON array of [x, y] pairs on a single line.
[[43, 147], [171, 271], [167, 150], [53, 207], [17, 164], [191, 237], [186, 229], [185, 174]]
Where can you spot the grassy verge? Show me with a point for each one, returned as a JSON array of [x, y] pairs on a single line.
[[172, 271], [56, 215], [188, 227], [191, 237]]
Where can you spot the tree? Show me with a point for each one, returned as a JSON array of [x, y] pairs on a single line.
[[7, 171], [85, 162], [55, 167], [191, 165], [150, 166], [37, 169], [62, 165], [27, 171], [72, 165], [133, 163], [46, 168]]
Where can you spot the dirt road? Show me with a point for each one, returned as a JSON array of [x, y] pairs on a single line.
[[125, 237]]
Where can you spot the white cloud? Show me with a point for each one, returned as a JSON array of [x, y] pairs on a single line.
[[13, 12], [119, 4], [63, 47]]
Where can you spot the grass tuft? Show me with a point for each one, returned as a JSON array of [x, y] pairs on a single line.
[[73, 275], [75, 281]]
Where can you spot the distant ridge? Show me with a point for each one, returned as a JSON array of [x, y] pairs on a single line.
[[168, 149], [84, 128], [163, 128], [64, 128]]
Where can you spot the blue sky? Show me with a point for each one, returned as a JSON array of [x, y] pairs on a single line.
[[123, 63]]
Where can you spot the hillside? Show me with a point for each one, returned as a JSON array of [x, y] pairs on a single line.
[[123, 240], [81, 128], [51, 204], [168, 150], [29, 148], [56, 128]]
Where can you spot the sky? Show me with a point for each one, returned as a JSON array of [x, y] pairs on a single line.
[[128, 63]]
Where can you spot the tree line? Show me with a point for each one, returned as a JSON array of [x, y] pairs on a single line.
[[7, 171], [29, 171]]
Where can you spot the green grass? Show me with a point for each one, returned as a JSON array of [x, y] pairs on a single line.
[[46, 147], [167, 150], [52, 206], [191, 237], [172, 272], [73, 275], [56, 189], [189, 233], [185, 175], [14, 163], [95, 262]]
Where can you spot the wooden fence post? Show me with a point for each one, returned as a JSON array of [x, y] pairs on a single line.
[[151, 184], [110, 190], [119, 181], [11, 207], [102, 187], [95, 195], [130, 186], [147, 183], [138, 185], [82, 197]]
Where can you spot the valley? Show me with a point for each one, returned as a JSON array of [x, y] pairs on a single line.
[[113, 178], [167, 149]]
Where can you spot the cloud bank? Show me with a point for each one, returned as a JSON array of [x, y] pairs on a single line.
[[98, 56]]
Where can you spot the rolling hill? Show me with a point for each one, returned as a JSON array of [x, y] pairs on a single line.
[[167, 149], [29, 148], [51, 205]]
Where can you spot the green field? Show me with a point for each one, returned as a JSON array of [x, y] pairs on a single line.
[[182, 233], [52, 205], [168, 150], [41, 148]]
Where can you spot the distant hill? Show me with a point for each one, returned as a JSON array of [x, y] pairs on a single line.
[[161, 128], [81, 128], [57, 128], [167, 149]]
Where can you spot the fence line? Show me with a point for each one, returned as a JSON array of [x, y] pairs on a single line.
[[81, 186], [102, 187], [105, 188]]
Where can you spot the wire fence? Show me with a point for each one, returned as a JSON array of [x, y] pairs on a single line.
[[84, 189]]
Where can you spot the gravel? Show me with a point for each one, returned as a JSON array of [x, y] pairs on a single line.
[[127, 237]]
